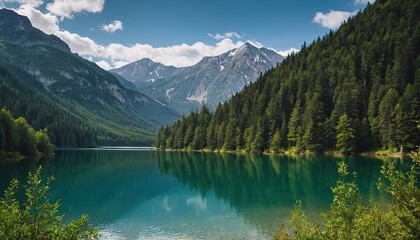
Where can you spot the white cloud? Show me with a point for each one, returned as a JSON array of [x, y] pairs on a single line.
[[333, 19], [103, 64], [115, 55], [67, 8], [113, 26], [229, 35], [81, 45], [181, 55], [357, 2], [287, 52], [48, 23]]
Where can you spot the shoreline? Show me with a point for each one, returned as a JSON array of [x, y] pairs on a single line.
[[372, 153]]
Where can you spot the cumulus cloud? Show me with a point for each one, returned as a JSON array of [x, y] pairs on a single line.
[[357, 2], [181, 55], [112, 27], [287, 52], [115, 55], [67, 8], [333, 19], [81, 45], [103, 64], [229, 35], [47, 22]]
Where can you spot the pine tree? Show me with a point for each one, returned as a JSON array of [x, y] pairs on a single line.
[[386, 121], [230, 136], [314, 118], [211, 136], [407, 113], [294, 123], [275, 145], [10, 134], [199, 140], [345, 135]]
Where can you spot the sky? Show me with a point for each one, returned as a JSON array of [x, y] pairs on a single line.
[[113, 33]]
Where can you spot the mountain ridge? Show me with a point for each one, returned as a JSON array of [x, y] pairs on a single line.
[[210, 81], [138, 72], [17, 29], [44, 66]]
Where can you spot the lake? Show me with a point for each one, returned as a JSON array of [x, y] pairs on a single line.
[[143, 194]]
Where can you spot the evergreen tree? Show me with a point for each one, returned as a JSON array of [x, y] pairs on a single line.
[[199, 141], [386, 122], [312, 139], [407, 113], [345, 134], [294, 123], [211, 136], [10, 134], [275, 145], [230, 143]]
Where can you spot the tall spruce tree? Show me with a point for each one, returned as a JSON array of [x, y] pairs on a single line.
[[345, 134]]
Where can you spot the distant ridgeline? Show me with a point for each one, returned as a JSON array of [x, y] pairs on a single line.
[[19, 140], [355, 89]]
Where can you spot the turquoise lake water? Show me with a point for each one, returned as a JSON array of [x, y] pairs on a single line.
[[143, 194]]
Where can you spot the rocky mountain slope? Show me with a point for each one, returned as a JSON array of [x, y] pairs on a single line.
[[210, 81], [144, 70]]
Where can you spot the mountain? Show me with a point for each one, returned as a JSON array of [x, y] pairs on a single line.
[[19, 31], [144, 70], [356, 89], [43, 69], [127, 84], [210, 81]]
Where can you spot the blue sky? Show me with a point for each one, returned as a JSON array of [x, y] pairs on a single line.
[[180, 32]]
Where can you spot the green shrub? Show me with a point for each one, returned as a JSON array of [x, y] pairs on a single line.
[[36, 217], [349, 218]]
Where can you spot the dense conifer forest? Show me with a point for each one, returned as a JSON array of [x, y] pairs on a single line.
[[353, 90]]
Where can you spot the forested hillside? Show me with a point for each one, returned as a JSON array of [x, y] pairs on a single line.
[[352, 90]]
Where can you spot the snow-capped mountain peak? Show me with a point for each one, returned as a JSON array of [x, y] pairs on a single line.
[[210, 81]]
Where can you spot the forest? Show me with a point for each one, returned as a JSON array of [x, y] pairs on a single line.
[[355, 89], [19, 140]]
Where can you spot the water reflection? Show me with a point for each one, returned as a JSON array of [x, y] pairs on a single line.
[[260, 187], [149, 194]]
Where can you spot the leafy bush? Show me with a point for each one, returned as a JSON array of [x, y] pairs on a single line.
[[349, 218], [36, 217]]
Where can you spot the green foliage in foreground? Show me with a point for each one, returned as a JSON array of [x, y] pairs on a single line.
[[349, 218], [36, 218]]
